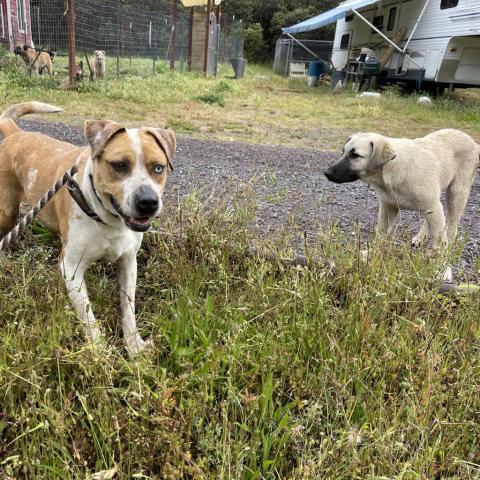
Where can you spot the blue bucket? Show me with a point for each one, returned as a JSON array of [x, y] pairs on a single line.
[[316, 68]]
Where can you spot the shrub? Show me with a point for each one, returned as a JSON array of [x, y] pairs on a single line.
[[217, 95], [18, 77], [255, 45]]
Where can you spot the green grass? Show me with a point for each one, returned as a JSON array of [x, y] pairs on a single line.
[[261, 108], [350, 369]]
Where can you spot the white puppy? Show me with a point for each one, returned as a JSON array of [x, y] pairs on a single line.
[[99, 64], [411, 174]]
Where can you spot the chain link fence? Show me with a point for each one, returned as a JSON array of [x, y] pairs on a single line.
[[288, 51], [138, 36]]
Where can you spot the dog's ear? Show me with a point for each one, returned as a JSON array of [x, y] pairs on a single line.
[[166, 140], [99, 132], [382, 153]]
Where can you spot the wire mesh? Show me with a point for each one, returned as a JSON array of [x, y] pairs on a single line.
[[288, 50], [232, 36], [138, 36]]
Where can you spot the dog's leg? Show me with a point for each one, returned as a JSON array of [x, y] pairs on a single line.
[[436, 223], [74, 272], [10, 197], [386, 218], [422, 234], [127, 279], [457, 198]]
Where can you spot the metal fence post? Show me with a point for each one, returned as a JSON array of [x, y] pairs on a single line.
[[190, 38], [207, 36], [72, 71], [174, 35], [119, 2]]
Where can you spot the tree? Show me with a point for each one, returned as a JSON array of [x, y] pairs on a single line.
[[273, 15], [255, 46]]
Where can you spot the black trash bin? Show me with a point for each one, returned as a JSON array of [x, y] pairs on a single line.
[[238, 65]]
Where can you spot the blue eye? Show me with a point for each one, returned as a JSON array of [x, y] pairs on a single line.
[[158, 169]]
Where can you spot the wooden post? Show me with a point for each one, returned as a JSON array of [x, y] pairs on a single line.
[[72, 70], [207, 36], [174, 35], [122, 37]]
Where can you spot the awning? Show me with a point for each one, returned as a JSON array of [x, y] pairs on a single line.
[[329, 17]]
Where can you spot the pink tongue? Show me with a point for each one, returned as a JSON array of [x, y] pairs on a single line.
[[141, 220]]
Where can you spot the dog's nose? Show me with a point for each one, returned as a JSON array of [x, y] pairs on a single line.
[[146, 201]]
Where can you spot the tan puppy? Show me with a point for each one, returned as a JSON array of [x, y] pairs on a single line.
[[99, 64], [37, 61], [122, 175], [411, 174]]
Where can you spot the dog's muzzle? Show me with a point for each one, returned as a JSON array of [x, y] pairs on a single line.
[[341, 172], [146, 204]]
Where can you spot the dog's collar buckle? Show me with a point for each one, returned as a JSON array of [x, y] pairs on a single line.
[[77, 195]]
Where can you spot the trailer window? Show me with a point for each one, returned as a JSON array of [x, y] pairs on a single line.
[[349, 18], [378, 22], [345, 41], [444, 4], [391, 19]]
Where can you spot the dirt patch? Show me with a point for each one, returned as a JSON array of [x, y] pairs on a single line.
[[287, 184]]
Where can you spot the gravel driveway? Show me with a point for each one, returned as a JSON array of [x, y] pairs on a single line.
[[288, 185]]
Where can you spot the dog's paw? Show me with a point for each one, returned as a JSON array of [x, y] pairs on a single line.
[[417, 241], [135, 346], [447, 274]]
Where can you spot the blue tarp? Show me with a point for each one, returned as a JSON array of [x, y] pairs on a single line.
[[328, 17]]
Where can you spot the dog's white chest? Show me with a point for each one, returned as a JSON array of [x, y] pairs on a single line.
[[115, 246], [95, 241]]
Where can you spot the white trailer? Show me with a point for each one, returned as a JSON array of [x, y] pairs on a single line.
[[435, 43]]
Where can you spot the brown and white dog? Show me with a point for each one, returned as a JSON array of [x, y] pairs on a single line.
[[121, 179], [36, 60]]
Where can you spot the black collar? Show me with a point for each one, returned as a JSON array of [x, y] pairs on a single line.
[[76, 193]]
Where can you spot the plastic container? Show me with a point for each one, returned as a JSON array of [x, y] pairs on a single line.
[[371, 67], [316, 68], [238, 65]]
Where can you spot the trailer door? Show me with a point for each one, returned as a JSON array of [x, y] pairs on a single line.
[[343, 54]]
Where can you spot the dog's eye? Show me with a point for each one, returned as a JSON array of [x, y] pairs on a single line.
[[354, 155], [158, 169], [119, 167]]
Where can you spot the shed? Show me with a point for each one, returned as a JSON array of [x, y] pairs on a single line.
[[204, 35], [15, 28]]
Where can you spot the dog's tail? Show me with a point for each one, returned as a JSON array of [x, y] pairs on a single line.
[[21, 109], [8, 117]]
